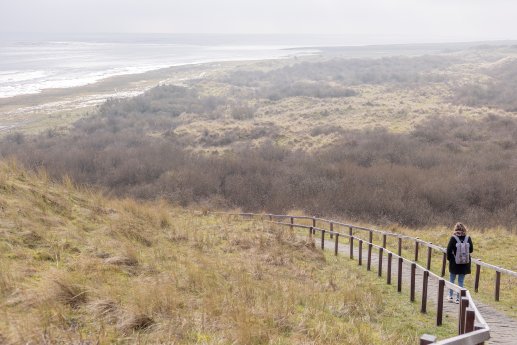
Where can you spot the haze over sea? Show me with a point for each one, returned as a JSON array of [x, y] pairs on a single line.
[[31, 63]]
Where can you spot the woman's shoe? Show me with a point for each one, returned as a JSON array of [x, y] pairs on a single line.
[[449, 299], [457, 301]]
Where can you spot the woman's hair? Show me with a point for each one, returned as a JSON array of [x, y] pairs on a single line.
[[460, 229]]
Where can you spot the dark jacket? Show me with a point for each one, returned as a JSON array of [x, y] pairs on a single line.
[[451, 251]]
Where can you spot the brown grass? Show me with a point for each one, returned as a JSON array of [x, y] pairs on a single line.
[[195, 279]]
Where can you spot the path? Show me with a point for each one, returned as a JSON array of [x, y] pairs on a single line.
[[503, 329]]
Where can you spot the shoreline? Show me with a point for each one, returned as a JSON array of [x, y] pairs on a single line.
[[59, 107]]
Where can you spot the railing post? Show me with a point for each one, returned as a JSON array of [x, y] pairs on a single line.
[[360, 252], [476, 279], [369, 259], [336, 244], [461, 319], [314, 224], [384, 241], [399, 275], [270, 217], [444, 264], [470, 318], [310, 232], [322, 239], [425, 280], [416, 249], [351, 234], [497, 284], [427, 339], [379, 271], [399, 251], [351, 248], [331, 225], [292, 222], [412, 289], [439, 306], [464, 304], [370, 237], [429, 257], [388, 273]]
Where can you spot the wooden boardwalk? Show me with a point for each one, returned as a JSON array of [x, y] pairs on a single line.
[[479, 323], [503, 329]]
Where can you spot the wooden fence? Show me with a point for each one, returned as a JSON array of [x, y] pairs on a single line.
[[472, 327]]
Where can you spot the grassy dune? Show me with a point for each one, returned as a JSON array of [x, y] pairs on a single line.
[[77, 268]]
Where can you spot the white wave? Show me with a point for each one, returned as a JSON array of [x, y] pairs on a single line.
[[15, 83], [18, 76], [34, 68]]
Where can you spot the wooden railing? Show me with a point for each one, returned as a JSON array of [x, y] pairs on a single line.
[[472, 327]]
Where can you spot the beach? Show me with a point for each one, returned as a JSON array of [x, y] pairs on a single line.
[[57, 108], [61, 106], [49, 82]]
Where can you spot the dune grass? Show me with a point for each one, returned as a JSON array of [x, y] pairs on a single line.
[[79, 268]]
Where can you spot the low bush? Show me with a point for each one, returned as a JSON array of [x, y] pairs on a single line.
[[447, 169]]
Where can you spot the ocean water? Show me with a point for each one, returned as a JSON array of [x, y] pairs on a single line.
[[32, 63]]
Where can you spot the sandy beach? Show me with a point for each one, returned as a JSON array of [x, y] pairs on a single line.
[[58, 108]]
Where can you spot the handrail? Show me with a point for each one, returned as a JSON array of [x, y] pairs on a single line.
[[479, 317], [381, 232], [473, 328], [450, 285], [472, 338]]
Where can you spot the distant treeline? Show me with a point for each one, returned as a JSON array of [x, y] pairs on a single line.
[[446, 170]]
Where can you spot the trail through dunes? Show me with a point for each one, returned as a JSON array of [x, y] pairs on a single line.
[[503, 329]]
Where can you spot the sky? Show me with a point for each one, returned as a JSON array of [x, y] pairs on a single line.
[[385, 20]]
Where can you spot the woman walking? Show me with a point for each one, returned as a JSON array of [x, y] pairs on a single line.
[[458, 253]]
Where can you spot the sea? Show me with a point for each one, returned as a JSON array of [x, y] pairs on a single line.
[[31, 63]]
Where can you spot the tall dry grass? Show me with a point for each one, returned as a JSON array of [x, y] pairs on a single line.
[[77, 268]]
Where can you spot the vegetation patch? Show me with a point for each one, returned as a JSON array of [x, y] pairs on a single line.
[[199, 279]]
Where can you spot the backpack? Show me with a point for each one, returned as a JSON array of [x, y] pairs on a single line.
[[462, 255]]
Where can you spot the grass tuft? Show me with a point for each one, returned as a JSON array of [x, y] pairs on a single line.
[[62, 289], [118, 271]]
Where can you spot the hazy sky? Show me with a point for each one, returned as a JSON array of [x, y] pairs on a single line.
[[411, 20]]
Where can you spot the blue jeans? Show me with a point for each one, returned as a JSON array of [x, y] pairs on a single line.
[[461, 280]]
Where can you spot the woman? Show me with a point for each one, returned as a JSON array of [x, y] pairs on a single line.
[[458, 253]]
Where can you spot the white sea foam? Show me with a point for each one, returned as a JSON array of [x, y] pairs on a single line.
[[31, 67]]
